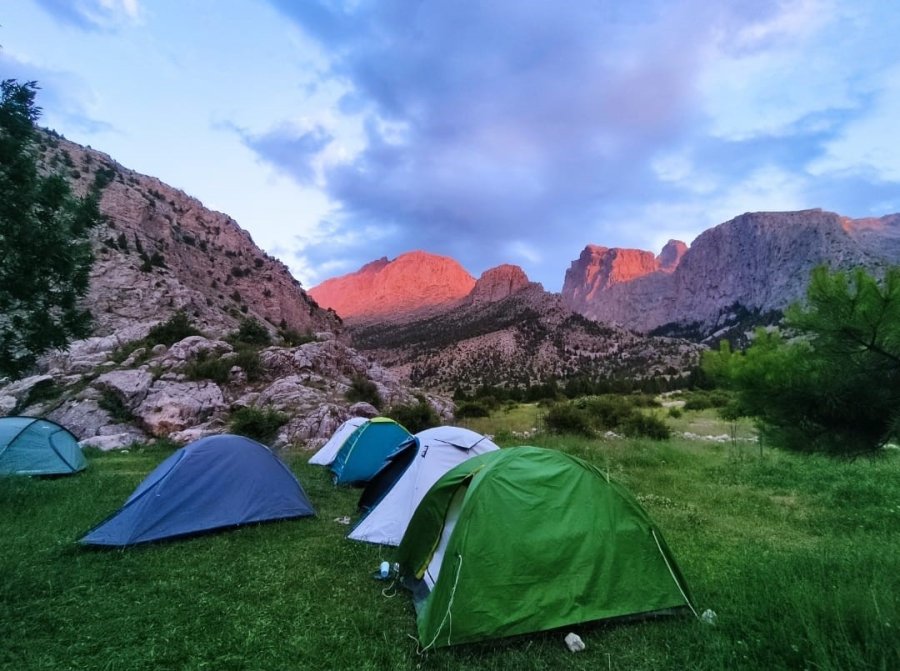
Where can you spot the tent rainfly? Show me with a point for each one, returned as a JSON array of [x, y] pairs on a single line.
[[329, 450], [366, 450], [33, 446], [392, 496], [528, 539], [215, 482]]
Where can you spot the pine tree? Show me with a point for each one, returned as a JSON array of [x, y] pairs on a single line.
[[835, 387], [45, 253]]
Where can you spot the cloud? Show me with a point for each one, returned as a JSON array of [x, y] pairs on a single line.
[[93, 15], [520, 125], [291, 150], [63, 96]]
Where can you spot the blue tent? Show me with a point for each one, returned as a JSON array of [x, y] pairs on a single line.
[[215, 482], [32, 446], [366, 450]]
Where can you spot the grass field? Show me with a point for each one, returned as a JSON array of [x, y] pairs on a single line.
[[798, 556]]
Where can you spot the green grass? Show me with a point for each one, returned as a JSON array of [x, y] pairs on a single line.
[[797, 556]]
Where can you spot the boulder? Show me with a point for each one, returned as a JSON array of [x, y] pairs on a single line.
[[131, 386], [175, 406]]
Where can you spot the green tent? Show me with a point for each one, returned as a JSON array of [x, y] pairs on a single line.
[[33, 446], [527, 539]]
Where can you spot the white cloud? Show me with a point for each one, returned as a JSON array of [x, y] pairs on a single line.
[[868, 145]]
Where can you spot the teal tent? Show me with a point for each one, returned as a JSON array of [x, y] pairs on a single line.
[[366, 450], [34, 446], [527, 539]]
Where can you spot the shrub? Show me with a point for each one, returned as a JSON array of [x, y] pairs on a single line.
[[250, 331], [248, 359], [415, 417], [472, 409], [209, 367], [293, 338], [675, 413], [117, 410], [257, 423], [177, 327], [606, 412], [646, 426], [567, 418], [363, 390]]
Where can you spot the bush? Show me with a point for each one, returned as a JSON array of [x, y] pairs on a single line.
[[177, 327], [117, 410], [471, 409], [640, 425], [415, 418], [207, 367], [675, 413], [259, 424], [364, 390], [251, 332], [293, 338], [606, 412], [249, 361], [567, 418]]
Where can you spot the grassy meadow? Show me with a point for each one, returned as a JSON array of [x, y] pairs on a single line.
[[798, 556]]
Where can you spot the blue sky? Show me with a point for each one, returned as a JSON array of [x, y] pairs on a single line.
[[511, 131]]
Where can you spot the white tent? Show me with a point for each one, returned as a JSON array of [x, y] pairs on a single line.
[[329, 450], [397, 490]]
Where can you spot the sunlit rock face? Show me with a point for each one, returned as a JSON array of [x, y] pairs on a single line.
[[159, 251], [599, 268], [757, 263], [497, 283], [413, 281]]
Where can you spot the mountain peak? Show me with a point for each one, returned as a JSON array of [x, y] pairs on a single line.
[[498, 283], [413, 281]]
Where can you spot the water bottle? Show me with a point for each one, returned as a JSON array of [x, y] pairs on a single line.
[[385, 569]]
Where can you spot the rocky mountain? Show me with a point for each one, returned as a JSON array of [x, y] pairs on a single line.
[[740, 273], [413, 281], [161, 251], [510, 332], [599, 268], [163, 259]]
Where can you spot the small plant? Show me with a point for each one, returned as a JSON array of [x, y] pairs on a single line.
[[249, 361], [257, 423], [363, 389], [471, 409], [415, 417], [40, 393], [116, 408], [646, 426], [176, 328], [251, 332], [567, 418], [293, 338], [207, 367]]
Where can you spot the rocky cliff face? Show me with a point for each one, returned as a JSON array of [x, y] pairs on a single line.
[[526, 337], [161, 251], [600, 268], [413, 281], [748, 268], [496, 284]]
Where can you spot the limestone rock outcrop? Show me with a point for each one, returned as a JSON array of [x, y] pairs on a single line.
[[750, 267], [164, 393], [413, 281], [496, 284], [160, 250]]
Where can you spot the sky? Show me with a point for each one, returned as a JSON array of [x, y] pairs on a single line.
[[513, 131]]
